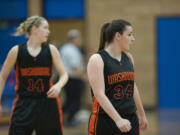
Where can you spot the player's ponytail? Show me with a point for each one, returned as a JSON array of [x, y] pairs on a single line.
[[20, 30], [103, 36], [108, 31]]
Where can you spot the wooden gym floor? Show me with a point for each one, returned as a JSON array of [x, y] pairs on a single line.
[[160, 123]]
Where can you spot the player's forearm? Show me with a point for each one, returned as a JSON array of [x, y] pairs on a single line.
[[138, 102], [2, 83], [108, 107], [62, 80]]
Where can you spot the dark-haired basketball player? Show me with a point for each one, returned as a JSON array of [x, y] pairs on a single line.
[[111, 76]]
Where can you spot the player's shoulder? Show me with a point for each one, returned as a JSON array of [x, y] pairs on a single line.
[[53, 47], [96, 59], [14, 49]]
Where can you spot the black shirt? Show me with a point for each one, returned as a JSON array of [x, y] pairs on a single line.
[[33, 73], [119, 83]]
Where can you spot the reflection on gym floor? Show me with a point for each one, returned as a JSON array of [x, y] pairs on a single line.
[[162, 122], [169, 122]]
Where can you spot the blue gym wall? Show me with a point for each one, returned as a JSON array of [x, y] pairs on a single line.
[[168, 60]]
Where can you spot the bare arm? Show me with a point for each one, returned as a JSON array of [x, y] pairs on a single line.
[[138, 102], [95, 70], [63, 77], [141, 113], [7, 67], [137, 98]]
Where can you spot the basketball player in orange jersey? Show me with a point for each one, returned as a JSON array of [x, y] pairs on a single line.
[[37, 106]]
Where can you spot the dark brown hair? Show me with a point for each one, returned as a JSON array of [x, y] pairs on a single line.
[[108, 31]]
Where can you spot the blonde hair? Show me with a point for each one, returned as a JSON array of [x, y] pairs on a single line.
[[25, 27]]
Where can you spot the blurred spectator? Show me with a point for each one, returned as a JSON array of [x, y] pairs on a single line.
[[73, 60]]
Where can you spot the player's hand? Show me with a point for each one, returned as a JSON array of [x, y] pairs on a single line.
[[54, 91], [0, 111], [124, 125], [143, 123]]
